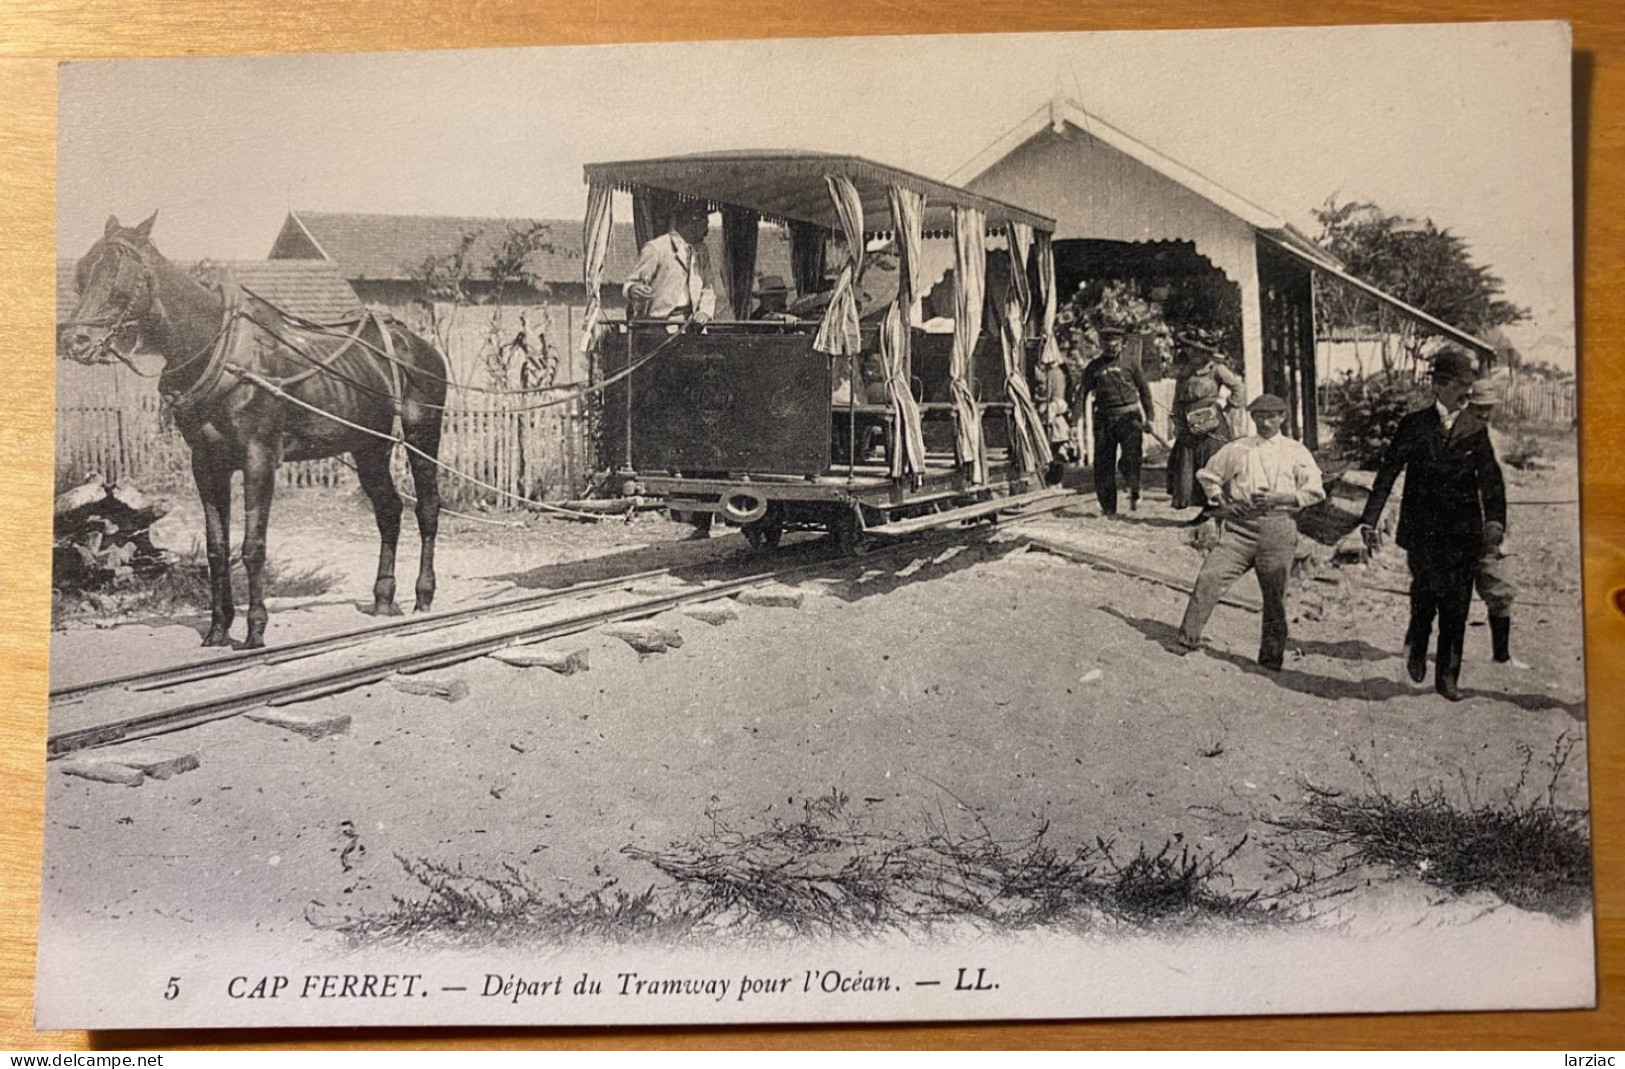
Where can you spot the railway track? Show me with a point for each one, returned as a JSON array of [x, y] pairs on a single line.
[[140, 705]]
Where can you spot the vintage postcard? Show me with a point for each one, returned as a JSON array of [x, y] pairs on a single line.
[[818, 530]]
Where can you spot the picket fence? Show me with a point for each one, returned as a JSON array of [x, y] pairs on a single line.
[[1547, 402], [110, 420]]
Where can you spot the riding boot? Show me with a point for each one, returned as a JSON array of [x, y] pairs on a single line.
[[1416, 648], [1447, 666], [1501, 637]]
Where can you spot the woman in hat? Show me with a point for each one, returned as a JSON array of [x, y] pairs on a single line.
[[1201, 427]]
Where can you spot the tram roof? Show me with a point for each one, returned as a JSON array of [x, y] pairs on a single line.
[[787, 186]]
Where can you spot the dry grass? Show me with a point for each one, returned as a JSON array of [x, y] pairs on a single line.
[[1525, 850], [828, 873]]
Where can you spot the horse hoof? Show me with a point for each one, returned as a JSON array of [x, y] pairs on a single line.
[[254, 644], [221, 639], [386, 608], [421, 606]]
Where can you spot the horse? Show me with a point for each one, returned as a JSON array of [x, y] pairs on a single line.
[[250, 386]]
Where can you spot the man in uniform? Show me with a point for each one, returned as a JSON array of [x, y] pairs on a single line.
[[1252, 487], [672, 279], [1453, 512], [1122, 412]]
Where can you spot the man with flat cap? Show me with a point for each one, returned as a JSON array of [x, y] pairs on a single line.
[[1453, 512], [1253, 486]]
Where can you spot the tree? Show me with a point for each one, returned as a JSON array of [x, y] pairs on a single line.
[[454, 280], [468, 295], [1427, 267]]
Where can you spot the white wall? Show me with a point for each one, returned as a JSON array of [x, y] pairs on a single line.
[[1095, 191]]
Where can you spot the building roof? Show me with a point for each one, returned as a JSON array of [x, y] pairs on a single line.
[[370, 248], [309, 288], [1060, 113], [790, 186]]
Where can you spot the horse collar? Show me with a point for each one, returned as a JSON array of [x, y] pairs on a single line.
[[206, 386]]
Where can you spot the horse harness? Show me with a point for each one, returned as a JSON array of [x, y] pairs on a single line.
[[206, 387]]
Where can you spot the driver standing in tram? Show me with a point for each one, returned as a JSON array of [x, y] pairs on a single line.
[[672, 279]]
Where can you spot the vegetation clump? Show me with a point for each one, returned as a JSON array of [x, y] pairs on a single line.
[[1528, 852], [828, 873]]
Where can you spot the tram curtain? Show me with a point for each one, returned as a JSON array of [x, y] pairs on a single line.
[[807, 243], [908, 454], [970, 281], [651, 214], [839, 333], [1044, 249], [1030, 437], [740, 227], [595, 241]]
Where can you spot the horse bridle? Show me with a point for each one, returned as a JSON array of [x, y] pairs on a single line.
[[129, 311]]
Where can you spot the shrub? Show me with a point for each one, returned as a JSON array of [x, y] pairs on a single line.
[[1367, 413]]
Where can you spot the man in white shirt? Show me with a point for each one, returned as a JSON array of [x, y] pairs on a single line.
[[1254, 486], [672, 279]]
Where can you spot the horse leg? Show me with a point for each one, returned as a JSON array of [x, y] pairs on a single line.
[[372, 464], [426, 481], [259, 480], [213, 478]]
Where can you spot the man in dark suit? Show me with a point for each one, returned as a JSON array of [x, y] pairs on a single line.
[[1453, 510]]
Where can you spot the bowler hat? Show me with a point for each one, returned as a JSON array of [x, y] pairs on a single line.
[[772, 284], [1266, 403], [1455, 366], [1483, 393]]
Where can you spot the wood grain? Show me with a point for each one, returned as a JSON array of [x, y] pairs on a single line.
[[36, 33]]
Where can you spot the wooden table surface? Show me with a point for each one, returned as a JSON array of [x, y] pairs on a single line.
[[35, 33]]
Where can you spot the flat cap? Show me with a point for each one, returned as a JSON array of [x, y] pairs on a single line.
[[1266, 403]]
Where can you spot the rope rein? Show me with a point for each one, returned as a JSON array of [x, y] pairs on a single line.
[[395, 373], [277, 391], [578, 391]]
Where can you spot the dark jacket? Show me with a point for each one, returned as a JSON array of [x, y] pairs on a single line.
[[1453, 484], [1115, 385]]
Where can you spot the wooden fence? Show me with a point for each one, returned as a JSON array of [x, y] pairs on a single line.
[[1544, 401], [110, 420]]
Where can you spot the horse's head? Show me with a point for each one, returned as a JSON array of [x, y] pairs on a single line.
[[117, 283]]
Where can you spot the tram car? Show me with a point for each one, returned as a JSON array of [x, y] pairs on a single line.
[[839, 413]]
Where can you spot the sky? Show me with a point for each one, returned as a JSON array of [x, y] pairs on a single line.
[[1468, 125]]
